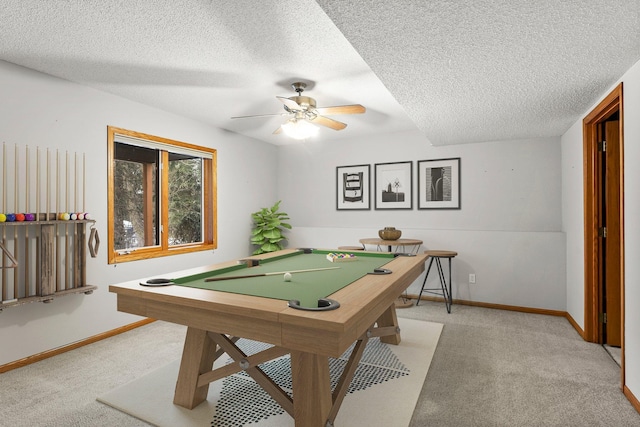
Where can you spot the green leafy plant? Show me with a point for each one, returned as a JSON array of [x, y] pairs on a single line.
[[268, 227]]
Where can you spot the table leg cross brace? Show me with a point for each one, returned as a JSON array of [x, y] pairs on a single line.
[[250, 365], [342, 387], [226, 344], [343, 384]]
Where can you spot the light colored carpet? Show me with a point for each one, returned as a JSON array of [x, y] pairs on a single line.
[[497, 368], [384, 391], [492, 368]]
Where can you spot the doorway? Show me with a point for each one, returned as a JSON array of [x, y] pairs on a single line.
[[604, 223]]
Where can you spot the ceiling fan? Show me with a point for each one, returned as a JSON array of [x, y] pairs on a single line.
[[303, 114]]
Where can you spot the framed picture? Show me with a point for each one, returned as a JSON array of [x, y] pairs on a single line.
[[353, 187], [394, 185], [439, 184]]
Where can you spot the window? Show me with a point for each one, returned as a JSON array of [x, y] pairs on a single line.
[[162, 196]]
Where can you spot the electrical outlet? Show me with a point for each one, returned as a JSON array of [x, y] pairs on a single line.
[[472, 278]]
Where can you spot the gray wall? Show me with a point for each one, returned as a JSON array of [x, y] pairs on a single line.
[[41, 111], [508, 231]]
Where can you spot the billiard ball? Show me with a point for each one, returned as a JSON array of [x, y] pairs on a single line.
[[3, 217], [287, 277], [19, 217]]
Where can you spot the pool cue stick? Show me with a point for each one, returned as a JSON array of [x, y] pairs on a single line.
[[75, 182], [66, 225], [15, 177], [66, 182], [27, 282], [4, 204], [57, 213], [84, 212], [37, 183], [48, 181], [84, 179], [274, 273], [16, 289], [37, 278], [74, 261]]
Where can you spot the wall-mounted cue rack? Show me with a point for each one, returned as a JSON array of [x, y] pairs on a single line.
[[43, 252]]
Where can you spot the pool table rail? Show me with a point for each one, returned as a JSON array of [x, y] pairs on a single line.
[[271, 320]]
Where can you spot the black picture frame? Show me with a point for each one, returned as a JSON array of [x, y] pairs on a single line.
[[353, 187], [439, 183], [394, 185]]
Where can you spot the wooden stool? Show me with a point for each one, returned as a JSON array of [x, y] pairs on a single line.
[[351, 248], [445, 289]]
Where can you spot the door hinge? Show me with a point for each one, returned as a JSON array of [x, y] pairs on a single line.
[[602, 146], [602, 317], [602, 232]]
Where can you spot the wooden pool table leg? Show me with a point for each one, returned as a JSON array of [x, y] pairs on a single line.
[[312, 398], [389, 318], [197, 358]]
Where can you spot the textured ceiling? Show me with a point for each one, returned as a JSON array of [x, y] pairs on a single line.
[[493, 69], [460, 72]]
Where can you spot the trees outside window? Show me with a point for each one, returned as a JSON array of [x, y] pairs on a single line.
[[161, 196]]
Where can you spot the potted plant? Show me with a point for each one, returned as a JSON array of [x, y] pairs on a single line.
[[268, 227]]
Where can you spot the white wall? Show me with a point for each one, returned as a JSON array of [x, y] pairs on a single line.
[[41, 111], [572, 194], [632, 227], [573, 219], [507, 232]]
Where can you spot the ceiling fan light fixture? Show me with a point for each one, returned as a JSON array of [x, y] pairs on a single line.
[[300, 129]]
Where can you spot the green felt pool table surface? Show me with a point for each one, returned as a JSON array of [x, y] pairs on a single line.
[[306, 287], [214, 317]]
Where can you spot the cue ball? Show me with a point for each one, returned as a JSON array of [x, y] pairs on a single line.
[[287, 277]]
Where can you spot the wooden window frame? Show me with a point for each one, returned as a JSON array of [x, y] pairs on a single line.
[[209, 207]]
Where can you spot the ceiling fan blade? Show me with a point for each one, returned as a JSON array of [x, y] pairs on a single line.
[[259, 115], [341, 109], [330, 123], [290, 104]]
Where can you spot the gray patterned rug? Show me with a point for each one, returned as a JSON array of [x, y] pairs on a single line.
[[384, 390], [242, 401]]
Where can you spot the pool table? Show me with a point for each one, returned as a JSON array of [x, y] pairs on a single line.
[[262, 307]]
